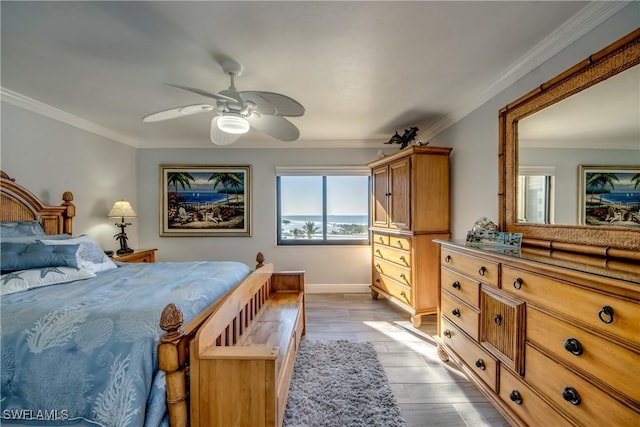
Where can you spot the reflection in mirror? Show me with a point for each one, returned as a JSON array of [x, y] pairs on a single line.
[[535, 191], [597, 126]]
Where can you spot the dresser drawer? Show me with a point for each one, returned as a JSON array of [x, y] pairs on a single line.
[[591, 406], [605, 313], [525, 403], [461, 314], [460, 286], [400, 292], [612, 364], [482, 363], [394, 271], [502, 326], [382, 239], [476, 268], [397, 256]]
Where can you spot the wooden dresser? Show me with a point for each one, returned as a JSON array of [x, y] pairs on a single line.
[[551, 338], [410, 208]]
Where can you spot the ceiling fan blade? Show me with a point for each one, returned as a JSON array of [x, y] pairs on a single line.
[[204, 92], [284, 105], [276, 126], [219, 137], [177, 112]]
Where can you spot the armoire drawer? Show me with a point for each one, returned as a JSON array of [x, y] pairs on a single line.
[[382, 239], [475, 357], [461, 314], [397, 256], [605, 313], [460, 286], [400, 242], [613, 364], [584, 402], [393, 271], [401, 292], [525, 403], [479, 269]]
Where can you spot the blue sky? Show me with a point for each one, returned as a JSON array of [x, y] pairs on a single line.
[[346, 195]]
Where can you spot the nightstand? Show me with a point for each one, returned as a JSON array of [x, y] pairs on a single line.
[[140, 255]]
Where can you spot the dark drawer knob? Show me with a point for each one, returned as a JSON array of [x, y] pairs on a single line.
[[480, 364], [381, 239], [399, 243], [456, 285], [482, 270], [403, 259], [447, 259], [498, 319], [403, 294], [447, 333], [571, 395], [517, 284], [455, 312], [516, 397], [378, 252], [606, 314], [573, 346]]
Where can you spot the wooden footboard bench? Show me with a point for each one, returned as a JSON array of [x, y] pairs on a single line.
[[243, 356]]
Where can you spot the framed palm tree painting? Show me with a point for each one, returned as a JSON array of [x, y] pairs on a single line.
[[205, 200], [609, 196]]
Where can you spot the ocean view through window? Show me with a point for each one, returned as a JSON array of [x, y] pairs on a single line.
[[323, 208]]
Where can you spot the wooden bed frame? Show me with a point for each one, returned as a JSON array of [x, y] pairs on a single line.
[[19, 204]]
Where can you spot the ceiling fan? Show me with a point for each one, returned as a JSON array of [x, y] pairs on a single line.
[[237, 112]]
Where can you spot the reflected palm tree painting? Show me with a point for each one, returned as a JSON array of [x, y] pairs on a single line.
[[205, 200], [609, 196]]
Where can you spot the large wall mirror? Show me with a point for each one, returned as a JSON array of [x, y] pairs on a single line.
[[569, 157]]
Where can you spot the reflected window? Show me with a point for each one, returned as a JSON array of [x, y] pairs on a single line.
[[535, 194]]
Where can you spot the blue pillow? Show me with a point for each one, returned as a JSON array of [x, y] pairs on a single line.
[[35, 239], [21, 228], [24, 256]]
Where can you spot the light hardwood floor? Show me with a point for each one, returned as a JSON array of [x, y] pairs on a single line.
[[430, 392]]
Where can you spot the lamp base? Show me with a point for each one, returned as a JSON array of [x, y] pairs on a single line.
[[124, 251]]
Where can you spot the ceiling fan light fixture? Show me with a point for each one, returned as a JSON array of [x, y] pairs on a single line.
[[233, 123]]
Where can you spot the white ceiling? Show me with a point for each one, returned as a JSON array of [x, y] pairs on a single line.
[[362, 69]]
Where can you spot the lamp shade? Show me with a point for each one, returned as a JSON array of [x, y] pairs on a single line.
[[121, 209], [233, 123]]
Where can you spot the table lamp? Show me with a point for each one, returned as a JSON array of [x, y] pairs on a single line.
[[122, 209]]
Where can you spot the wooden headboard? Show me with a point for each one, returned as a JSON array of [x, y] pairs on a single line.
[[19, 204]]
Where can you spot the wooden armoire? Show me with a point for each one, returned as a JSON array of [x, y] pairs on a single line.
[[409, 208]]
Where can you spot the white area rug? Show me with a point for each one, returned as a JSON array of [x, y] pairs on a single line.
[[340, 384]]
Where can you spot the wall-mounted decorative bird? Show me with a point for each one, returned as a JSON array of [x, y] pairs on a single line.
[[406, 138]]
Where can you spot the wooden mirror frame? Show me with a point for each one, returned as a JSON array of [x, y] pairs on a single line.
[[606, 241]]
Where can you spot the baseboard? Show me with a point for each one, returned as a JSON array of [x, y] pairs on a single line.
[[336, 288]]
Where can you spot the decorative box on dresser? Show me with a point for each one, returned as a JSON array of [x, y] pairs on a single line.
[[410, 208], [550, 337]]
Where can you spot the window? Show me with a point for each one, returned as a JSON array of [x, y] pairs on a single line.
[[535, 194], [323, 206]]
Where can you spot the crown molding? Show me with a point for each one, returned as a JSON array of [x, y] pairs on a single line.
[[575, 27], [46, 110]]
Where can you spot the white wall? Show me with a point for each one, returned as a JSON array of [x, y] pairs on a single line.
[[475, 138], [323, 264], [49, 158]]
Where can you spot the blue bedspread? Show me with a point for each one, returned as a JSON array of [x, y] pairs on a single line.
[[86, 351]]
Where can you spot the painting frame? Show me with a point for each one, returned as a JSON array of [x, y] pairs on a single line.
[[609, 196], [205, 200]]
